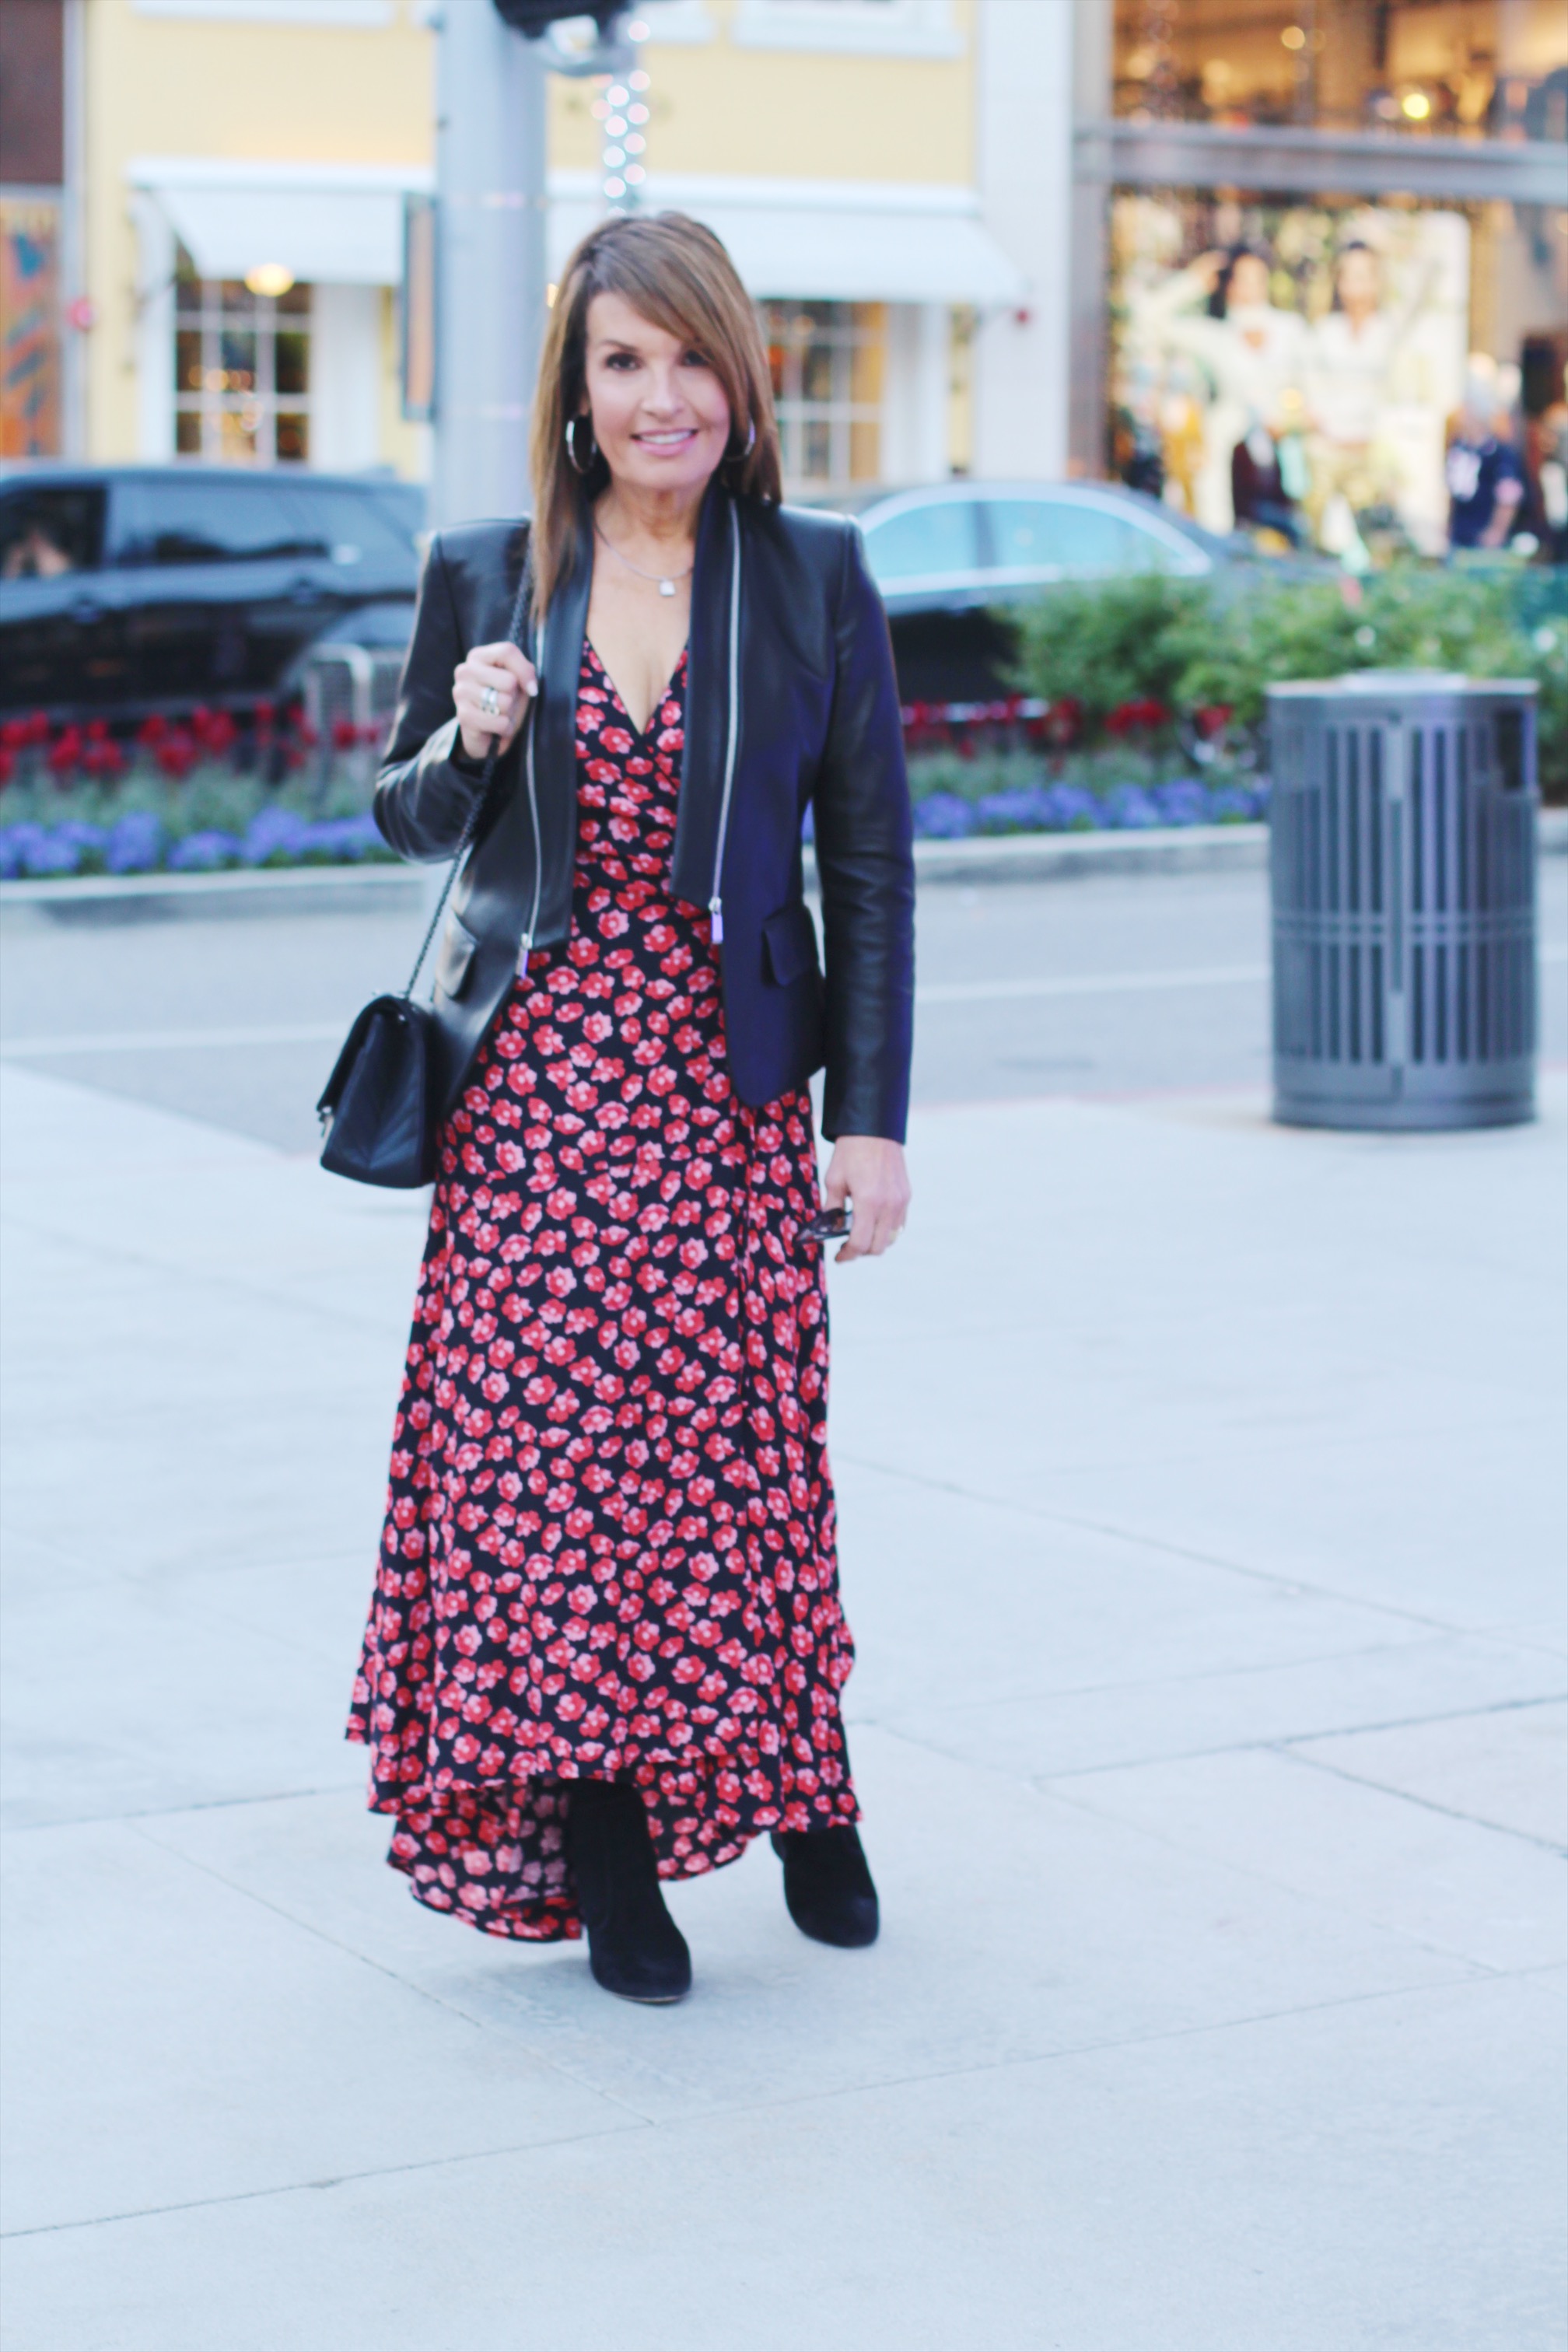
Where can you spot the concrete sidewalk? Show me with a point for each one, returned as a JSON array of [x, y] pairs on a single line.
[[1200, 1485]]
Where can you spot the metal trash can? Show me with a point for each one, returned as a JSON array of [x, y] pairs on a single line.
[[1401, 858]]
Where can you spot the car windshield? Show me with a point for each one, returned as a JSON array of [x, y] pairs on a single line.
[[921, 542], [1079, 539], [347, 519], [171, 519]]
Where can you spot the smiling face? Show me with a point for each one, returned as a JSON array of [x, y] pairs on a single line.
[[660, 415], [1360, 283], [1249, 289]]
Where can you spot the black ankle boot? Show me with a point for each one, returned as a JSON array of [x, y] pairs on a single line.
[[828, 1885], [635, 1947]]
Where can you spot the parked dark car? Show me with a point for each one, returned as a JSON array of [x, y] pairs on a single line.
[[947, 557], [131, 589]]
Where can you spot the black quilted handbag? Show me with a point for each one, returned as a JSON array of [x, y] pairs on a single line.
[[378, 1109]]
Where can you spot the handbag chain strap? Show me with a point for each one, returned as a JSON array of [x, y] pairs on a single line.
[[486, 775]]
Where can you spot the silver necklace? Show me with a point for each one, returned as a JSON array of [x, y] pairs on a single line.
[[665, 581]]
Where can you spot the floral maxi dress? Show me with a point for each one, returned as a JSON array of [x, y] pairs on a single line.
[[609, 1545]]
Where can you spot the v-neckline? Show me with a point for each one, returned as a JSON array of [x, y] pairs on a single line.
[[659, 699]]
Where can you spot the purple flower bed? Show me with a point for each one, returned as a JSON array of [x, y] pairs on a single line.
[[139, 843], [1072, 808]]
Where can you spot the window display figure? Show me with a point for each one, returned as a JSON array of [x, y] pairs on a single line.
[[1351, 350], [1251, 352]]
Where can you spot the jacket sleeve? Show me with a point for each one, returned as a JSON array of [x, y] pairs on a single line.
[[425, 791], [865, 871]]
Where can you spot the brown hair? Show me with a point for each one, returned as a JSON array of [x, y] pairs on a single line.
[[676, 274]]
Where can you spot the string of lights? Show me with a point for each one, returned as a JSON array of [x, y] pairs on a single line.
[[621, 110]]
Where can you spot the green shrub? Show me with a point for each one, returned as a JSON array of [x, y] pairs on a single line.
[[1405, 618], [1193, 644], [1104, 646]]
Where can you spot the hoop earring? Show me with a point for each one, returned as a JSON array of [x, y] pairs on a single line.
[[738, 457], [580, 465]]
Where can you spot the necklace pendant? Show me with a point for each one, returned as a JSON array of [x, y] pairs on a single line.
[[667, 587]]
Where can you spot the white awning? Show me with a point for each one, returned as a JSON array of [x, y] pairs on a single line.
[[844, 241], [831, 240], [327, 225]]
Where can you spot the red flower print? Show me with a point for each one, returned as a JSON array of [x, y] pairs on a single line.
[[610, 1535]]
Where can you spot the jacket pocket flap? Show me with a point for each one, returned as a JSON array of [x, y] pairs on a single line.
[[454, 957], [789, 944]]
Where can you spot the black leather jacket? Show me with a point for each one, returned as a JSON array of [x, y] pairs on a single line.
[[791, 700]]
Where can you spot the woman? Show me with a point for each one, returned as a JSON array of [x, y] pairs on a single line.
[[607, 1644]]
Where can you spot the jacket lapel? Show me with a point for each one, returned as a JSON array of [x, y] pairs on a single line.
[[559, 655], [707, 703]]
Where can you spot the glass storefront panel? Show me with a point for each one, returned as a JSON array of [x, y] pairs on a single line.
[[826, 360], [1320, 372], [239, 355], [1459, 68], [291, 369]]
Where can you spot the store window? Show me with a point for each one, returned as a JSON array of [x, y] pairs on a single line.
[[1326, 373], [1461, 68], [242, 370], [827, 365]]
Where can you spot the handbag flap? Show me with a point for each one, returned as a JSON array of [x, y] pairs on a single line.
[[332, 1093]]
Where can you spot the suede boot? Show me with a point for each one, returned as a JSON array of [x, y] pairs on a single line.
[[828, 1885], [635, 1947]]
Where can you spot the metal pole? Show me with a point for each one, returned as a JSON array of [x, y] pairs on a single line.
[[490, 277]]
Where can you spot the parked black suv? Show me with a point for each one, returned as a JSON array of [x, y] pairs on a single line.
[[129, 589]]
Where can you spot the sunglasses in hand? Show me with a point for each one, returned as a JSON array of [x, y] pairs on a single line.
[[827, 1225]]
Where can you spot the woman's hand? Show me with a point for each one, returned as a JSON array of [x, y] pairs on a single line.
[[499, 675], [868, 1172]]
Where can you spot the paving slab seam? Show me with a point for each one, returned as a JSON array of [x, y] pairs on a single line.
[[89, 1577], [198, 1279], [1291, 1749], [179, 1812], [1478, 1976], [1289, 1741], [307, 2188], [551, 2062], [1395, 1362], [1045, 1782], [1292, 1585], [1049, 1785], [1411, 1649]]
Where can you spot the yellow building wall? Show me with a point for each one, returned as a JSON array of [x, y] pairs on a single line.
[[179, 86], [791, 113]]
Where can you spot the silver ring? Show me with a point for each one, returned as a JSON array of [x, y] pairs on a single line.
[[490, 701]]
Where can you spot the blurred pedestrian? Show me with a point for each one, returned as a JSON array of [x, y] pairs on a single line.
[[1552, 440], [1485, 471], [607, 1644]]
